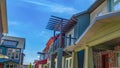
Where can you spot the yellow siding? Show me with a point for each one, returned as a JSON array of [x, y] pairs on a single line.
[[74, 60], [102, 8], [70, 32]]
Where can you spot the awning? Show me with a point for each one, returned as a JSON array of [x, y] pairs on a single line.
[[42, 61]]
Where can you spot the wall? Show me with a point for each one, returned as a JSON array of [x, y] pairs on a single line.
[[101, 10], [67, 40], [83, 22], [3, 50]]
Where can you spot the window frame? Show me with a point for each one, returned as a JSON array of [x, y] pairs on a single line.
[[10, 41]]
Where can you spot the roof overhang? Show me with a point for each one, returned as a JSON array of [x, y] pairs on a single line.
[[3, 11], [102, 29]]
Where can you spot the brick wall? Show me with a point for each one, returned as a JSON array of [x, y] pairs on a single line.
[[112, 57]]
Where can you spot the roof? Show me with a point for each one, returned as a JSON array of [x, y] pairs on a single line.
[[21, 41], [55, 23], [80, 13], [3, 14], [73, 19], [70, 24], [95, 5]]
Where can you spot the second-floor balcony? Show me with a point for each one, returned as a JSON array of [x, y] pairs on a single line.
[[55, 45], [62, 43], [43, 56]]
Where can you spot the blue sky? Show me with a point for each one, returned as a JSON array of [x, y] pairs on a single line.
[[28, 19]]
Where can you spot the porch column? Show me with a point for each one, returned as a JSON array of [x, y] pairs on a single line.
[[74, 60], [88, 58], [59, 57], [4, 65], [52, 62]]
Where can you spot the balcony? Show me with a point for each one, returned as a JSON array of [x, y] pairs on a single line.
[[43, 56], [55, 45]]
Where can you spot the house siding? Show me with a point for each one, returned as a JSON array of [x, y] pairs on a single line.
[[3, 50], [103, 8], [83, 22]]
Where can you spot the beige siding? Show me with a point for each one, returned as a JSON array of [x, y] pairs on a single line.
[[101, 9], [70, 32]]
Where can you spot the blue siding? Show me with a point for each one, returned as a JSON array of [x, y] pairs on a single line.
[[83, 22], [3, 50]]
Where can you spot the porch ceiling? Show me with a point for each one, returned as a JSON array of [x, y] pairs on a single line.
[[108, 45]]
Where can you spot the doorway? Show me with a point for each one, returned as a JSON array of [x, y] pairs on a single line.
[[105, 63], [1, 65]]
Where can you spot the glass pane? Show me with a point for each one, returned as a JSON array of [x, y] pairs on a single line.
[[11, 66], [8, 42], [117, 5]]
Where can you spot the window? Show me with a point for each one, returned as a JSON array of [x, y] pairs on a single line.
[[9, 42], [68, 62], [70, 40], [99, 14], [116, 5], [17, 55], [13, 53], [12, 56], [11, 65]]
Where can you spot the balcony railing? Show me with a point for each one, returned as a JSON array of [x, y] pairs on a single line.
[[55, 45], [44, 56], [64, 42]]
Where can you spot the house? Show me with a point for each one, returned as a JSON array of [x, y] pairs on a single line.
[[90, 39], [3, 18], [56, 24], [44, 56], [98, 45], [11, 49]]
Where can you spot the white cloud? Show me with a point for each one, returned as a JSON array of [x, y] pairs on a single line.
[[55, 7], [13, 23]]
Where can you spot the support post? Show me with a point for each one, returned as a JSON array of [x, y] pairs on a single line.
[[52, 62], [61, 43], [88, 58], [74, 60], [59, 58]]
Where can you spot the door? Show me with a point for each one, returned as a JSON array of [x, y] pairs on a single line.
[[80, 59], [1, 65], [105, 63]]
